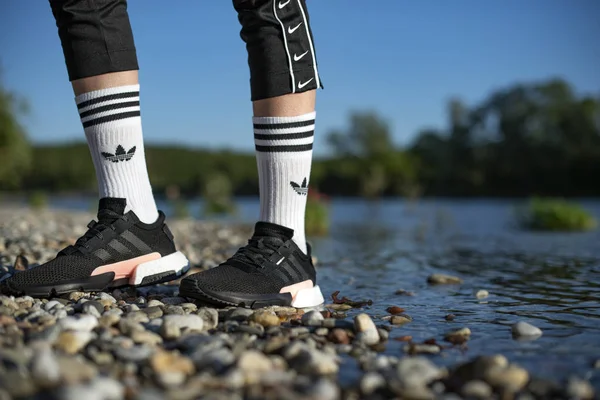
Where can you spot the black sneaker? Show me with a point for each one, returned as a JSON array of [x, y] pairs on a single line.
[[117, 250], [270, 270]]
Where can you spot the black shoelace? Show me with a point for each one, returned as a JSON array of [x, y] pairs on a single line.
[[106, 219], [257, 251]]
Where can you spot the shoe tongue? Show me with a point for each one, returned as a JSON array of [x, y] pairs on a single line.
[[269, 229], [113, 204]]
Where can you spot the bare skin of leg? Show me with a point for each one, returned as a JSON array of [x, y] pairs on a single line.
[[288, 105], [104, 81]]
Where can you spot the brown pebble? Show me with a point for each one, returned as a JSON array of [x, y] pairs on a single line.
[[402, 292], [400, 319], [406, 338], [21, 263], [450, 317], [6, 320], [326, 314], [395, 310], [339, 336]]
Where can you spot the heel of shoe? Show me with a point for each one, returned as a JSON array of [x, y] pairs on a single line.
[[161, 270], [310, 297]]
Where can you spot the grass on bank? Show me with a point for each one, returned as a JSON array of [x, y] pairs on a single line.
[[555, 215]]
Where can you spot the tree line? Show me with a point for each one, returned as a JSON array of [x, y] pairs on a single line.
[[538, 138]]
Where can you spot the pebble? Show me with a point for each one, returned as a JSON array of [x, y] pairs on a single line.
[[458, 336], [367, 331], [579, 389], [371, 382], [239, 314], [417, 348], [400, 319], [100, 388], [44, 368], [172, 323], [153, 312], [512, 378], [339, 336], [523, 329], [52, 304], [477, 389], [171, 368], [314, 362], [482, 294], [74, 370], [253, 364], [417, 372], [395, 310], [94, 308], [134, 354], [146, 337], [312, 318], [83, 323], [210, 317], [72, 341], [442, 279], [265, 318]]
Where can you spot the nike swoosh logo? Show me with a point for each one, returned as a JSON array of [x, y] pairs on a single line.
[[281, 5], [292, 30], [302, 84], [296, 58]]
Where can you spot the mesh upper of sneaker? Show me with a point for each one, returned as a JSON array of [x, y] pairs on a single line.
[[250, 269]]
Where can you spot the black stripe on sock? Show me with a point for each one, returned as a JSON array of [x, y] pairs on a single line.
[[285, 125], [109, 107], [109, 118], [283, 136], [108, 97], [284, 149]]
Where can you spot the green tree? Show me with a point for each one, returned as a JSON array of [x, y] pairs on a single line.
[[15, 152], [378, 165]]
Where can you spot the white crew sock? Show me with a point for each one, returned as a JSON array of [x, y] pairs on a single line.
[[284, 156], [113, 128]]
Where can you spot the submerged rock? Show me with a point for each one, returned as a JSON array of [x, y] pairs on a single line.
[[441, 279], [525, 330]]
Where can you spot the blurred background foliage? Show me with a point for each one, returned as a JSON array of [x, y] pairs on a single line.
[[528, 139]]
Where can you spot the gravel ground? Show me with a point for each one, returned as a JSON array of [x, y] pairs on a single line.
[[152, 344]]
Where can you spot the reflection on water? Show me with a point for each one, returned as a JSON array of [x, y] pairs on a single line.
[[549, 279]]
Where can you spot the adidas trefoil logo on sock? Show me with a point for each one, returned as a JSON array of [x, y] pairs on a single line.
[[300, 189], [120, 154]]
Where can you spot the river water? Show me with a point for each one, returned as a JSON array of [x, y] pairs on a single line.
[[551, 280]]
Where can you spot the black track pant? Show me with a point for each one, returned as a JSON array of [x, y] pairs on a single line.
[[96, 38]]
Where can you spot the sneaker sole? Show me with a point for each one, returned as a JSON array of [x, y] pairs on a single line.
[[134, 272], [304, 298]]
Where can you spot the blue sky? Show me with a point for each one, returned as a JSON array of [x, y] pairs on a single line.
[[404, 59]]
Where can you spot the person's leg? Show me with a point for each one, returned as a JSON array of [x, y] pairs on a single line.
[[101, 61], [130, 243], [275, 267]]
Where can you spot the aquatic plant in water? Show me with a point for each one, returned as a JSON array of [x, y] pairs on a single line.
[[555, 215]]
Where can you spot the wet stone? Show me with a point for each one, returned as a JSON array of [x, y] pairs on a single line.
[[525, 330], [417, 372], [442, 279], [400, 319], [482, 294], [371, 382]]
